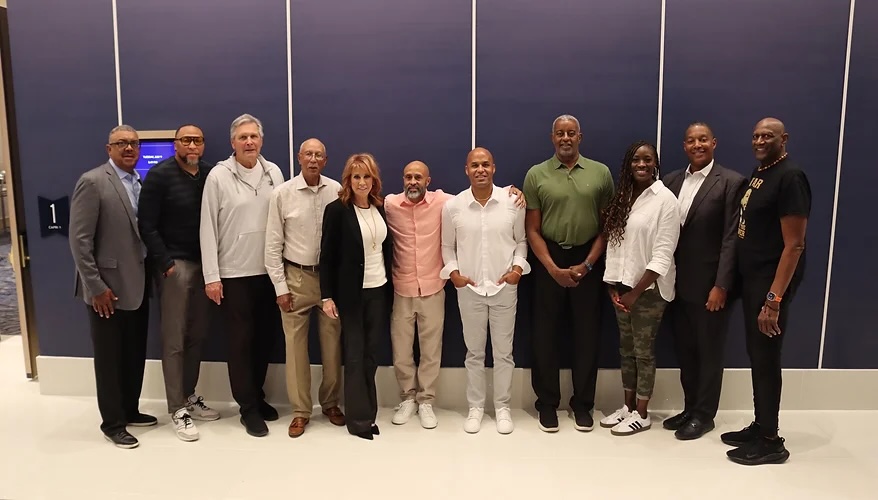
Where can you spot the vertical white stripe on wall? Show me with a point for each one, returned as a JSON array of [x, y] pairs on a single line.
[[290, 92], [844, 104], [116, 61], [473, 82], [661, 82]]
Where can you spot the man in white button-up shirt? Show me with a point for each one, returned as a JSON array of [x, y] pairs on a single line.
[[292, 250], [484, 247]]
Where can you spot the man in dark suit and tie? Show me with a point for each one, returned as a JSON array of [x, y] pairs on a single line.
[[708, 196], [111, 278]]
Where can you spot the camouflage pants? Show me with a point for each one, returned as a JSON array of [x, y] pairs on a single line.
[[637, 332]]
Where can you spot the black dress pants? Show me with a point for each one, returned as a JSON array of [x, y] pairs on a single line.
[[700, 338], [252, 318], [582, 305], [119, 344], [765, 351], [362, 324]]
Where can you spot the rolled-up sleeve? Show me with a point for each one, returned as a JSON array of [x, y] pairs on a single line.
[[667, 234]]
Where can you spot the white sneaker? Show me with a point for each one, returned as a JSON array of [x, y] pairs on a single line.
[[200, 411], [428, 418], [616, 417], [184, 426], [473, 421], [404, 412], [504, 421], [631, 425]]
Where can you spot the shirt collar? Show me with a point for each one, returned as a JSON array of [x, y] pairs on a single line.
[[704, 171], [470, 199], [300, 183], [556, 163], [656, 186], [123, 174]]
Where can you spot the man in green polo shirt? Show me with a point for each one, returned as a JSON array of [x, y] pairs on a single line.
[[565, 197]]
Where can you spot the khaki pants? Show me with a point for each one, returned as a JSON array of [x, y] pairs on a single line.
[[305, 289], [417, 382]]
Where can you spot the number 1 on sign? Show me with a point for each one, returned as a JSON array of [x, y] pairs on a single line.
[[54, 218]]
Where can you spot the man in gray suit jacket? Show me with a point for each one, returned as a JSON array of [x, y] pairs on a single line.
[[708, 196], [111, 280]]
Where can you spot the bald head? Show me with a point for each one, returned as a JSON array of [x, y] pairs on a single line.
[[312, 159], [415, 179], [479, 153], [769, 140]]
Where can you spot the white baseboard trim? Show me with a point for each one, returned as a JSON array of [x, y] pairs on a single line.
[[803, 389]]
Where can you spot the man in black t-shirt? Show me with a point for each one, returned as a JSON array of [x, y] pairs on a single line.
[[771, 260]]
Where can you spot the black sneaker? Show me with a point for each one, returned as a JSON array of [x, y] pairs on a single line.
[[122, 439], [583, 421], [267, 411], [142, 420], [254, 424], [740, 438], [548, 421], [760, 452], [677, 421]]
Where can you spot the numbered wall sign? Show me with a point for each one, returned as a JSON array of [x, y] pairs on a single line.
[[54, 216]]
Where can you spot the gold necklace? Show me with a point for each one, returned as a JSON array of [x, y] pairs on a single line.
[[373, 228], [483, 199], [775, 162]]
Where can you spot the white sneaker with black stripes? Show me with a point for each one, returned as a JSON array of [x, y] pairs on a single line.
[[631, 425]]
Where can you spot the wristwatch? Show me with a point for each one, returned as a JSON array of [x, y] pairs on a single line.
[[773, 297]]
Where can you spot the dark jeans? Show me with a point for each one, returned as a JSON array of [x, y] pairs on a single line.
[[764, 351], [119, 356], [700, 338], [361, 327], [252, 317], [583, 306]]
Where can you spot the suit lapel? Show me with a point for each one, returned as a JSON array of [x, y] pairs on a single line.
[[705, 188], [123, 195], [354, 223], [676, 184]]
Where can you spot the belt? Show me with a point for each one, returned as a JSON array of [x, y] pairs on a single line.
[[313, 269]]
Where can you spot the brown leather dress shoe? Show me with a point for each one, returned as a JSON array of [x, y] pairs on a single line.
[[335, 415], [297, 426]]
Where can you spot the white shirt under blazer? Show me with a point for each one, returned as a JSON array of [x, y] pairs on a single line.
[[649, 242]]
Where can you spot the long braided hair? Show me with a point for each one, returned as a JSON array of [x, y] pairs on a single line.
[[615, 215]]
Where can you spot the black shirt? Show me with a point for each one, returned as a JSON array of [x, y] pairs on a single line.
[[776, 192], [169, 213]]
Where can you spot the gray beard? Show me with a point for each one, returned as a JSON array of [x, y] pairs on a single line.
[[414, 195], [191, 163]]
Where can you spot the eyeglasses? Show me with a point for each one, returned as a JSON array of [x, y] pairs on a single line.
[[311, 154], [189, 140], [125, 144]]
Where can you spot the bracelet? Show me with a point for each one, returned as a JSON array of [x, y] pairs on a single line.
[[516, 272]]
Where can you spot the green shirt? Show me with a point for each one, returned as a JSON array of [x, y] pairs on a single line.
[[570, 200]]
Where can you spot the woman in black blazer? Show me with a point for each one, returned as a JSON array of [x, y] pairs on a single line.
[[355, 283]]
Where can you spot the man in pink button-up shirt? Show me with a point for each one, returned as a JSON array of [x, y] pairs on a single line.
[[415, 217]]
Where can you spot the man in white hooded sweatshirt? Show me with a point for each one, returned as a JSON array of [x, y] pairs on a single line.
[[234, 211]]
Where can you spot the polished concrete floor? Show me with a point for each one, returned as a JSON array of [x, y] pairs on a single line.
[[51, 448]]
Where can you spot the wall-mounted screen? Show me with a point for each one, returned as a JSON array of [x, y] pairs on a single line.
[[152, 151]]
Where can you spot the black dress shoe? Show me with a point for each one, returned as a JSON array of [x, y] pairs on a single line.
[[375, 430], [367, 434], [142, 420], [122, 439], [254, 424], [267, 411], [761, 451], [694, 429], [677, 421]]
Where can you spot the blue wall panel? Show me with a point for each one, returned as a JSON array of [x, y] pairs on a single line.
[[733, 63], [850, 331], [65, 100]]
